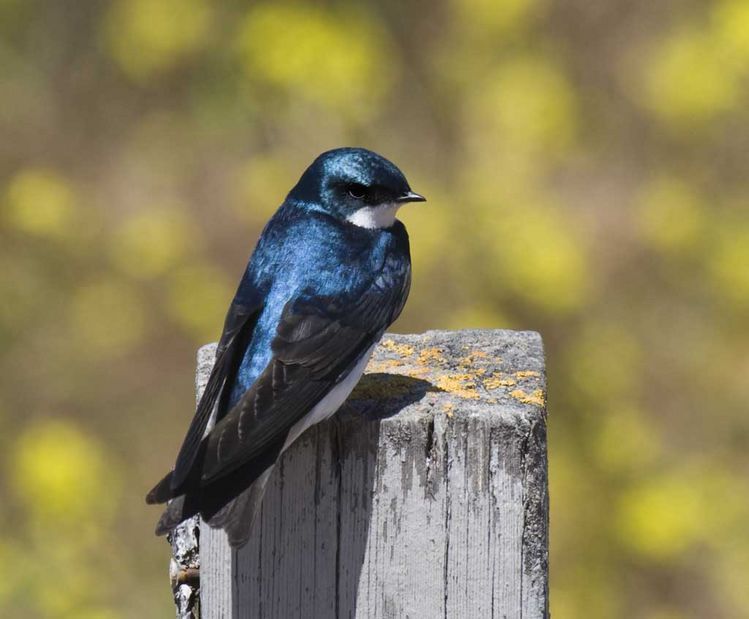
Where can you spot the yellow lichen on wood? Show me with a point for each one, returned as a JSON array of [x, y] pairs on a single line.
[[404, 350], [536, 397], [383, 365], [527, 374], [471, 357], [462, 385], [431, 354], [495, 381], [476, 353], [468, 382]]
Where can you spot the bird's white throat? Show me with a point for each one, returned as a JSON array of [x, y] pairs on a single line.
[[372, 217]]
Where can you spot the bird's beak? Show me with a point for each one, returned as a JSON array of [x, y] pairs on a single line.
[[411, 196]]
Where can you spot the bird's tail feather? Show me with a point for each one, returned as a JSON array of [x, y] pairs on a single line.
[[176, 511], [162, 491], [238, 517]]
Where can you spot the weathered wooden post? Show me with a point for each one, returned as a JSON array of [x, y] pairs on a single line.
[[426, 497]]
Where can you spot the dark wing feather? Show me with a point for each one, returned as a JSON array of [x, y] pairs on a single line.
[[238, 327], [317, 342]]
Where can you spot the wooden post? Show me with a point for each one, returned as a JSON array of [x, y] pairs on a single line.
[[426, 496]]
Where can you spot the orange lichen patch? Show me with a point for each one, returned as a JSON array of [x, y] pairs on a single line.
[[449, 409], [383, 365], [476, 353], [430, 363], [431, 354], [495, 381], [527, 374], [471, 358], [404, 350], [462, 385], [418, 372], [536, 397]]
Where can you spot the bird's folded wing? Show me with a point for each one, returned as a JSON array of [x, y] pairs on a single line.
[[317, 342], [238, 327]]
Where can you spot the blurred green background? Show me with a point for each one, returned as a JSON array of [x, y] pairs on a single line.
[[586, 168]]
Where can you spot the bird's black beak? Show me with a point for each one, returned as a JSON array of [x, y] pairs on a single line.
[[411, 196]]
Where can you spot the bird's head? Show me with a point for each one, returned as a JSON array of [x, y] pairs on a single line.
[[356, 185]]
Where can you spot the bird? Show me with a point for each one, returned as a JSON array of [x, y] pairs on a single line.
[[331, 271]]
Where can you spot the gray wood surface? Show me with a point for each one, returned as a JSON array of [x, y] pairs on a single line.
[[425, 497]]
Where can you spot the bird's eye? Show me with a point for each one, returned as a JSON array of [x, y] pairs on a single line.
[[355, 190]]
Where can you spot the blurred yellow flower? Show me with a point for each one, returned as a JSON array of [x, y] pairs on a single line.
[[262, 184], [40, 202], [687, 81], [108, 317], [337, 60], [147, 37], [197, 298], [536, 256], [526, 105], [627, 441], [671, 216], [661, 517], [729, 263], [61, 476], [431, 223], [488, 18], [731, 25], [153, 241]]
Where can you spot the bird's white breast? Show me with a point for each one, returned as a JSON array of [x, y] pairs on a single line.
[[332, 401], [373, 217]]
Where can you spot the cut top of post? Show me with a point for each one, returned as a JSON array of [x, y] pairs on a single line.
[[462, 372]]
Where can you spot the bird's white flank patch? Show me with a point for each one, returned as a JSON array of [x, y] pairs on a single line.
[[332, 401], [373, 217]]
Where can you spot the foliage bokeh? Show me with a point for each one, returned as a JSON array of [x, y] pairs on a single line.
[[586, 170]]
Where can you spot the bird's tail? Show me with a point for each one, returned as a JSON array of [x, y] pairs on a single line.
[[238, 516], [177, 510], [162, 491]]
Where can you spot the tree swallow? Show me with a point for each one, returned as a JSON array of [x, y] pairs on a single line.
[[330, 273]]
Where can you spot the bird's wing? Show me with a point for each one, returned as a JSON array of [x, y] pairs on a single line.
[[238, 327], [318, 340]]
